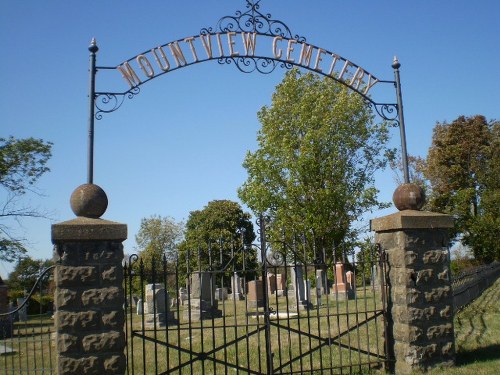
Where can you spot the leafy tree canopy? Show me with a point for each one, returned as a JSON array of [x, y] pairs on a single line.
[[223, 227], [22, 163], [463, 168], [313, 172], [26, 273], [159, 236]]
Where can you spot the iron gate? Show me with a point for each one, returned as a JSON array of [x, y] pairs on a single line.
[[280, 313]]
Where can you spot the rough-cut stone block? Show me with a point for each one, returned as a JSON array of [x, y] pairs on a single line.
[[417, 353], [115, 364], [113, 319], [444, 276], [112, 274], [422, 314], [438, 294], [91, 365], [107, 342], [67, 343], [71, 321], [439, 331], [406, 296], [75, 276], [435, 256], [67, 298], [406, 332], [447, 348], [402, 277], [424, 276], [107, 297], [411, 258], [446, 312]]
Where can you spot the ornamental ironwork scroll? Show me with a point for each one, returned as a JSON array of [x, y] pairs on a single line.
[[252, 41]]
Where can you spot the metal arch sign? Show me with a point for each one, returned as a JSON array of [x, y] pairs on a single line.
[[253, 42], [241, 48]]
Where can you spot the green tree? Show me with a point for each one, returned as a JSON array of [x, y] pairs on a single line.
[[26, 272], [463, 168], [313, 172], [159, 236], [22, 163], [219, 236]]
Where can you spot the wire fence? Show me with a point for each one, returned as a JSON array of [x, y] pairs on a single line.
[[470, 284]]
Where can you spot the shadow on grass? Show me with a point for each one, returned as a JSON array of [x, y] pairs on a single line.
[[485, 354]]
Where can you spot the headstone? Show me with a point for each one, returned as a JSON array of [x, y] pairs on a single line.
[[157, 306], [321, 282], [183, 295], [271, 284], [340, 287], [375, 278], [299, 287], [140, 307], [236, 290], [308, 290], [202, 302], [23, 311], [221, 294], [351, 281], [280, 285], [255, 295]]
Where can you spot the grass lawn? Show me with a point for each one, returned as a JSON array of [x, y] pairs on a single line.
[[477, 331]]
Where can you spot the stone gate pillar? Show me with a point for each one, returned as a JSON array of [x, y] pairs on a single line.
[[420, 300], [89, 297]]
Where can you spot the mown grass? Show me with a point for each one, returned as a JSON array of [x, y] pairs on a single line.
[[332, 335], [477, 331]]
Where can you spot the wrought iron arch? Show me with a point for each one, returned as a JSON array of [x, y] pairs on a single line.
[[252, 23]]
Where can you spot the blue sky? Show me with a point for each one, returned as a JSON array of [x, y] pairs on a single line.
[[181, 142]]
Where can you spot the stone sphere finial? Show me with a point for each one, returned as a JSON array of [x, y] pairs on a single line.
[[89, 200], [408, 197]]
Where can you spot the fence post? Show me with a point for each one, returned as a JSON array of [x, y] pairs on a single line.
[[89, 297], [419, 295]]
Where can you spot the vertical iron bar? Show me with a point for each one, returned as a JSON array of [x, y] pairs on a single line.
[[233, 291], [177, 292], [365, 298], [166, 308], [143, 333], [404, 157], [355, 291], [127, 305], [386, 316], [155, 309], [90, 163], [349, 347], [212, 303], [130, 351], [221, 295], [200, 278], [308, 296], [297, 308], [190, 323], [336, 290], [263, 249], [288, 308]]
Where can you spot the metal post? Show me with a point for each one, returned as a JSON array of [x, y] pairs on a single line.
[[90, 162], [267, 322], [404, 155]]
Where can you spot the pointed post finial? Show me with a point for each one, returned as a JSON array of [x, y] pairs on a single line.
[[93, 46], [395, 63]]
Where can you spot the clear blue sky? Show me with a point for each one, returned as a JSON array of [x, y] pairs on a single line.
[[181, 142]]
